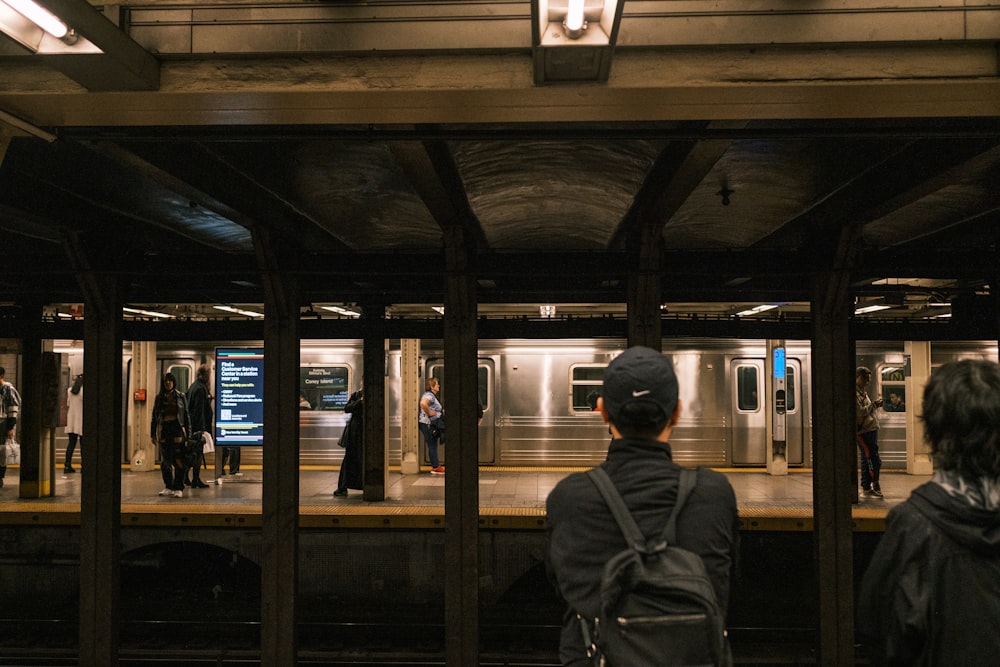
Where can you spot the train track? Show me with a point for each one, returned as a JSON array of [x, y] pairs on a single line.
[[503, 643]]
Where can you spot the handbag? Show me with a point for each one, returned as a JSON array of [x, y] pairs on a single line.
[[209, 445]]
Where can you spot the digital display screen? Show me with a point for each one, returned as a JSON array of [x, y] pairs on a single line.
[[239, 391], [323, 387], [779, 363]]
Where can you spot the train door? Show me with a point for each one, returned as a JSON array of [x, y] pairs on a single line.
[[748, 430], [747, 435], [487, 399]]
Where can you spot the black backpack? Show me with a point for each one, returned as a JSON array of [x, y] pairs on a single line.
[[658, 606]]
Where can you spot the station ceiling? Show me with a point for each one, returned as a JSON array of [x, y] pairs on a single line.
[[355, 170]]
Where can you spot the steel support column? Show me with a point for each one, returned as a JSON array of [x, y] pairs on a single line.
[[645, 290], [280, 495], [100, 486], [834, 486], [461, 498], [376, 466]]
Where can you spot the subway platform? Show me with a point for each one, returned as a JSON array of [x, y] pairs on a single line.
[[507, 496]]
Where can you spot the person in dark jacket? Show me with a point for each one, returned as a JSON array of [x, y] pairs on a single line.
[[169, 428], [640, 403], [352, 467], [931, 594], [200, 408]]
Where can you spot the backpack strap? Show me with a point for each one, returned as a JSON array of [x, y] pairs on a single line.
[[684, 488], [633, 535], [628, 526]]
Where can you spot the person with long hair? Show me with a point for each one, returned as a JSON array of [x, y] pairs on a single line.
[[169, 429]]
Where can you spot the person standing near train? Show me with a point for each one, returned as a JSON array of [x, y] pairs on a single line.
[[351, 468], [867, 433], [640, 403], [200, 407], [431, 410], [74, 421], [10, 407], [931, 593], [169, 429]]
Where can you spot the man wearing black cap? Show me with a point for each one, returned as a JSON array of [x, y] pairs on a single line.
[[641, 406]]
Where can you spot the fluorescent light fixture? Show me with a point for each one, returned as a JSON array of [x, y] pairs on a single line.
[[239, 311], [574, 24], [573, 40], [342, 311], [870, 309], [757, 309], [146, 313], [41, 17]]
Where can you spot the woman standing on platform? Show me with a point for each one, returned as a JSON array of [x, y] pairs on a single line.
[[430, 410], [74, 420], [351, 475], [169, 429]]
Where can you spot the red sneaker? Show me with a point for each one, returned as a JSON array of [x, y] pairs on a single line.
[[437, 471]]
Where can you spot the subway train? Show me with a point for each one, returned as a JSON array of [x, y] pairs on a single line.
[[537, 396]]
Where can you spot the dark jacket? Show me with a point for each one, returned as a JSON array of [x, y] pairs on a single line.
[[182, 414], [931, 595], [583, 534], [200, 407], [352, 467]]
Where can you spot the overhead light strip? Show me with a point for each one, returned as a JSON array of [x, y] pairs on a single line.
[[239, 311], [146, 313], [41, 17]]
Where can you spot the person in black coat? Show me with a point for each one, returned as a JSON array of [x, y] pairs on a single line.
[[351, 468], [931, 593], [200, 409]]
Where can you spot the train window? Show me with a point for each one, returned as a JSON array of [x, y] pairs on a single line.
[[585, 387], [323, 387], [893, 387], [484, 384], [747, 395], [789, 389], [436, 370], [182, 376]]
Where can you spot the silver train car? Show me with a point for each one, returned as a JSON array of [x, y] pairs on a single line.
[[536, 397]]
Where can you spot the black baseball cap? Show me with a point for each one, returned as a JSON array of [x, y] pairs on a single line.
[[640, 374]]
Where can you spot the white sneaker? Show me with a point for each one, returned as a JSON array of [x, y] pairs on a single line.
[[166, 492], [178, 494]]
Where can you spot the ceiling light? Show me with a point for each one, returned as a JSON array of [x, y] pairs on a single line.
[[147, 313], [42, 18], [575, 23], [238, 311], [342, 311], [547, 311], [438, 309], [870, 309], [757, 309], [561, 27]]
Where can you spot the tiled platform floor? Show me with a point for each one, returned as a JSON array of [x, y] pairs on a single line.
[[522, 488]]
